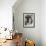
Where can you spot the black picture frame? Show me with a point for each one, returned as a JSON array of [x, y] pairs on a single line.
[[28, 20]]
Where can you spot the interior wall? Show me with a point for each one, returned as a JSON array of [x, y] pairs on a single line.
[[28, 6], [43, 22], [6, 13]]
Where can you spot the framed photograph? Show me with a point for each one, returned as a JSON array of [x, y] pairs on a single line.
[[29, 20]]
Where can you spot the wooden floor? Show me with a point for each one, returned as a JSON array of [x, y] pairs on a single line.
[[9, 43]]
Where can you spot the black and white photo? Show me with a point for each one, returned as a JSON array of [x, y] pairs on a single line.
[[29, 19]]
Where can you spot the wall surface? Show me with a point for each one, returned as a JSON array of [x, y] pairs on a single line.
[[43, 22], [28, 6], [6, 13]]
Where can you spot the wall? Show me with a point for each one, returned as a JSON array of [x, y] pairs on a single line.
[[43, 22], [28, 6], [6, 13]]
